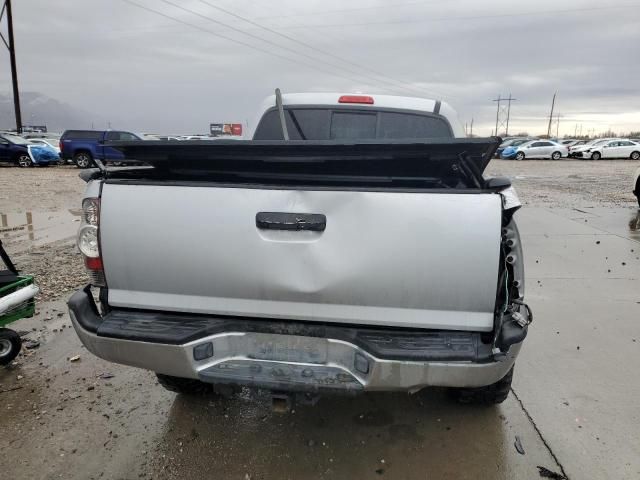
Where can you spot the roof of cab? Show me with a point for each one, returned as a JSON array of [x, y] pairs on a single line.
[[380, 101]]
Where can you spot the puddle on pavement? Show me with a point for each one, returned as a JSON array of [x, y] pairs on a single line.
[[20, 231]]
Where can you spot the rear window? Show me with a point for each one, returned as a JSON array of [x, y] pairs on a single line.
[[352, 125], [83, 134], [122, 136], [341, 124]]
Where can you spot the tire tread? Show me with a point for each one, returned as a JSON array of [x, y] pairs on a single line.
[[16, 343], [490, 395], [187, 386]]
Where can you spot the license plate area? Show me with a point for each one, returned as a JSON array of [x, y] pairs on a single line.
[[288, 348]]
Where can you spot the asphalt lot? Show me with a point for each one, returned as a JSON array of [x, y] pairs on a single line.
[[573, 405]]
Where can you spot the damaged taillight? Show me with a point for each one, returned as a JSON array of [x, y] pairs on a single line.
[[89, 240]]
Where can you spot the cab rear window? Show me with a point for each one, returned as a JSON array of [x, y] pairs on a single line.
[[342, 124], [83, 134]]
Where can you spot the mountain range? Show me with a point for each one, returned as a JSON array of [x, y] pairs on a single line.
[[39, 109]]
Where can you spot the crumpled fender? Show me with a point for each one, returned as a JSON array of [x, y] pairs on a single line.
[[43, 154]]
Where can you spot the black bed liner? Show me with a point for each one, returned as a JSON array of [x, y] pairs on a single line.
[[403, 162], [160, 153]]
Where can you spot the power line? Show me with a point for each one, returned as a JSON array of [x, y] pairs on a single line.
[[384, 78], [354, 9], [239, 42], [269, 42], [466, 17]]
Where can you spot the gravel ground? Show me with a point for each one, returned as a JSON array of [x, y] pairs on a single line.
[[570, 183], [40, 189]]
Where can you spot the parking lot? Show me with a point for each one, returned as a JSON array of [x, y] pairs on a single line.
[[573, 408]]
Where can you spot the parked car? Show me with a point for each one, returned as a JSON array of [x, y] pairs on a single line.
[[252, 268], [43, 154], [613, 149], [581, 151], [541, 149], [575, 145], [13, 149], [509, 152], [505, 144], [51, 142], [196, 137], [20, 151], [85, 146]]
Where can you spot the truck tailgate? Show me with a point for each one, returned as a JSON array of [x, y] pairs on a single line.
[[426, 260]]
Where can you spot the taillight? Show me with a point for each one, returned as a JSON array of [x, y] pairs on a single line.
[[89, 240], [356, 99], [60, 144]]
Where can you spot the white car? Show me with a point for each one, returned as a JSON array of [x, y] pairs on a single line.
[[195, 137], [580, 150], [619, 148], [51, 142], [541, 149]]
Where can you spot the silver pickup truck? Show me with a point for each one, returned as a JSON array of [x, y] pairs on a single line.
[[352, 245]]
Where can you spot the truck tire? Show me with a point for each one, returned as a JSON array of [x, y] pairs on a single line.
[[10, 345], [83, 159], [187, 386], [489, 395]]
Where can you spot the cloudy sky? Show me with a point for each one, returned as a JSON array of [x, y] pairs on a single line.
[[177, 65]]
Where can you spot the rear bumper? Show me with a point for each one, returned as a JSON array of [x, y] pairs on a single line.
[[301, 358]]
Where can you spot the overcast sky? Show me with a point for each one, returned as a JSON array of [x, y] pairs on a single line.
[[173, 71]]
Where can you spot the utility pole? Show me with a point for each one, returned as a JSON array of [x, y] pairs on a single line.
[[497, 113], [471, 130], [503, 113], [553, 102], [509, 111], [11, 46], [557, 126]]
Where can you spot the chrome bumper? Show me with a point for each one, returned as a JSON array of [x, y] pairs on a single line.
[[293, 363]]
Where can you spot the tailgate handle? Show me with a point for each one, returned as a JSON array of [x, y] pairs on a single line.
[[314, 222]]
